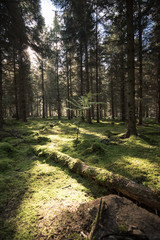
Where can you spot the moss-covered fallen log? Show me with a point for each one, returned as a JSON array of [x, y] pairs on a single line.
[[128, 188]]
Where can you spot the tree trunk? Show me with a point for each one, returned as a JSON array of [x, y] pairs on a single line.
[[87, 80], [58, 91], [81, 67], [133, 190], [158, 81], [68, 88], [122, 80], [112, 99], [1, 111], [70, 84], [131, 128], [22, 88], [97, 82], [43, 97], [92, 90], [140, 114], [15, 85]]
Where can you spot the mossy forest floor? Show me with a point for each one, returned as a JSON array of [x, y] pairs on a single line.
[[34, 189]]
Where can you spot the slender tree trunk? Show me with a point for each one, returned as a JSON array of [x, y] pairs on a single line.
[[112, 99], [88, 111], [70, 84], [43, 97], [122, 80], [68, 88], [15, 85], [158, 62], [87, 81], [58, 91], [1, 111], [158, 82], [131, 128], [140, 108], [92, 90], [97, 80], [81, 68], [22, 89]]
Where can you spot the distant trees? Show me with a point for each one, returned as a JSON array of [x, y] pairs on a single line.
[[108, 49], [18, 32]]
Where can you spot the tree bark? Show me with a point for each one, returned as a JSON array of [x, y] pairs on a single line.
[[97, 82], [43, 97], [131, 128], [140, 108], [87, 81], [22, 88], [15, 85], [122, 80], [68, 88], [58, 91], [112, 99], [1, 111]]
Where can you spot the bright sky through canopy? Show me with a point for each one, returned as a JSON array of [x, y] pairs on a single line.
[[47, 9]]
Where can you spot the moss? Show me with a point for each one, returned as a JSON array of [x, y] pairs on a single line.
[[84, 144], [6, 149], [5, 164], [43, 153], [97, 148]]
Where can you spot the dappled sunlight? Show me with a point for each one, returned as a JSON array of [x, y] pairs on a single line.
[[42, 189], [140, 164], [92, 133], [50, 191]]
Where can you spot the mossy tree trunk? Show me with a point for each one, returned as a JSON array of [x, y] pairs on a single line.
[[134, 191]]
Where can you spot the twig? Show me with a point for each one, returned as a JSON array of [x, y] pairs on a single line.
[[66, 186], [96, 221]]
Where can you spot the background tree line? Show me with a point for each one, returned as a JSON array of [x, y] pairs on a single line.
[[106, 50]]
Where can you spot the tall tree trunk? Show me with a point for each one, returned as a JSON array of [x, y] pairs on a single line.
[[87, 80], [68, 88], [58, 91], [15, 85], [122, 80], [158, 89], [22, 88], [158, 61], [140, 108], [81, 67], [1, 111], [131, 128], [88, 111], [112, 99], [97, 80], [70, 83], [92, 90], [43, 97]]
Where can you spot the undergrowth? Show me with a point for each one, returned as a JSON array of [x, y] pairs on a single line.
[[34, 189]]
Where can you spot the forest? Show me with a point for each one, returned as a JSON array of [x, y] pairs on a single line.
[[79, 119]]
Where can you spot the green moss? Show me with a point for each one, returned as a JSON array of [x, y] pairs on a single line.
[[5, 164], [29, 185], [6, 149]]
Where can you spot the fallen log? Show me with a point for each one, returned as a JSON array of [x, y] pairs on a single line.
[[128, 188]]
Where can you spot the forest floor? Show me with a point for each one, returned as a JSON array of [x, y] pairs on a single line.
[[34, 190]]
